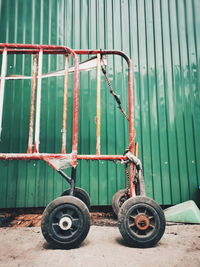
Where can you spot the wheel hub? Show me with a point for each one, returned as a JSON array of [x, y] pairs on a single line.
[[142, 221], [65, 223]]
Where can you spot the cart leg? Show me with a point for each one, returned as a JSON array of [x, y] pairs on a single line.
[[73, 190], [71, 180]]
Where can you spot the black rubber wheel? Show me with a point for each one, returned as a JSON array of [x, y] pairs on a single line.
[[81, 194], [141, 222], [118, 199], [65, 222]]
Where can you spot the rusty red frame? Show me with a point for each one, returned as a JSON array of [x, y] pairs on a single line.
[[74, 156]]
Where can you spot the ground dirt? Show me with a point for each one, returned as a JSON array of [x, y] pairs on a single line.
[[103, 247], [32, 217]]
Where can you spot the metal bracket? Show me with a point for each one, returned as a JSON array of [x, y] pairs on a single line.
[[70, 180], [132, 158], [65, 176]]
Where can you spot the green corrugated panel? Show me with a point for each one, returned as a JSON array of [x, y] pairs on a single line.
[[163, 39]]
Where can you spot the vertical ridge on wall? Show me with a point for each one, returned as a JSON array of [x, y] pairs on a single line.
[[196, 108], [162, 37]]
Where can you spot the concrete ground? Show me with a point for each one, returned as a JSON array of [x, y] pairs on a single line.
[[180, 246]]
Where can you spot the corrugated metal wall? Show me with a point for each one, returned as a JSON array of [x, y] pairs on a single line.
[[163, 39]]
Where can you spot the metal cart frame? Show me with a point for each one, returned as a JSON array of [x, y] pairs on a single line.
[[39, 50], [64, 160]]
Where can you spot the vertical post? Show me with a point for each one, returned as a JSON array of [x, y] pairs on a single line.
[[38, 103], [65, 101], [32, 107], [75, 105], [98, 111], [131, 125], [2, 84], [73, 181]]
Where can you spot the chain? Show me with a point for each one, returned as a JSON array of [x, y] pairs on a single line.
[[114, 94], [127, 177], [117, 99]]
